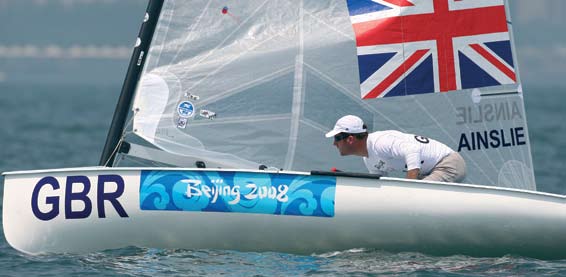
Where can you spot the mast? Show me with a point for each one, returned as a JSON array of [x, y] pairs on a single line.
[[132, 76]]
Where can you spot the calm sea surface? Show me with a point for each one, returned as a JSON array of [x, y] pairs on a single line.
[[63, 126]]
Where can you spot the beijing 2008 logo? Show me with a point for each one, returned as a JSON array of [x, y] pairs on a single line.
[[186, 109]]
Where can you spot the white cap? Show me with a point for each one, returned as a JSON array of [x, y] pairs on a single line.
[[347, 124]]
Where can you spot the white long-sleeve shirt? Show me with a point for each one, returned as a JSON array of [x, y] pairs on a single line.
[[396, 151]]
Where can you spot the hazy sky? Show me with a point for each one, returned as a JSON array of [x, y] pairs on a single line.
[[58, 41], [540, 37]]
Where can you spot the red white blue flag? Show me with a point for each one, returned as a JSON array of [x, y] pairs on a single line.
[[410, 47]]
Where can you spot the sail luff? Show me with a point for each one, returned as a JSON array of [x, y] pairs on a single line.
[[132, 76]]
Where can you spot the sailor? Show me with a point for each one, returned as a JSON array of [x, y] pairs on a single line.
[[386, 151]]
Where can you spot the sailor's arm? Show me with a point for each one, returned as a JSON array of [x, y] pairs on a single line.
[[412, 155]]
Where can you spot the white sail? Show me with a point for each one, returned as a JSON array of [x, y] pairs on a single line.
[[244, 84]]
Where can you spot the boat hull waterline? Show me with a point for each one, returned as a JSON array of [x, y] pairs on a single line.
[[90, 209]]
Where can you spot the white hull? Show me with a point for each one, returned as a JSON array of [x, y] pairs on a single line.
[[389, 214]]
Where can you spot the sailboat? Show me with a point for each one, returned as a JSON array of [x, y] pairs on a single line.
[[217, 140]]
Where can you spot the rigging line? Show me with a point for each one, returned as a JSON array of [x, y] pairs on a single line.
[[242, 87], [351, 95], [190, 36], [115, 150], [118, 160], [211, 73], [448, 135], [228, 36], [329, 26], [122, 137]]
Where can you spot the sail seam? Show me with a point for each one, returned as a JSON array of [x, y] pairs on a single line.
[[119, 144], [298, 94]]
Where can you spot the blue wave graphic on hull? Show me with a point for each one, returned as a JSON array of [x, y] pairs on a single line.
[[240, 192]]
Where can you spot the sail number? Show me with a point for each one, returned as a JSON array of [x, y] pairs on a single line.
[[76, 191]]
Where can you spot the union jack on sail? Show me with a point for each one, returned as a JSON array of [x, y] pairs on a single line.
[[410, 47]]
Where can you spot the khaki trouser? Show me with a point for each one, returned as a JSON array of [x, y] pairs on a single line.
[[451, 168]]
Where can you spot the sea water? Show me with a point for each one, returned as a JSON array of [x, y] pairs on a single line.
[[66, 126]]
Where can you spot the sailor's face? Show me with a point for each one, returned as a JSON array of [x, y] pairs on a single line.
[[341, 141]]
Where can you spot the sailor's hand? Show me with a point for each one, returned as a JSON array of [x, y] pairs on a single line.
[[413, 173]]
